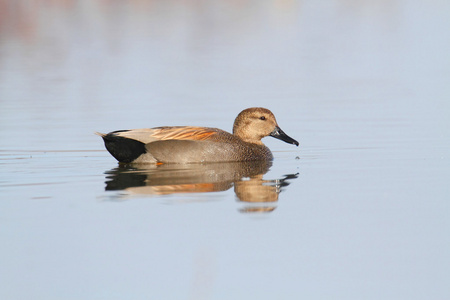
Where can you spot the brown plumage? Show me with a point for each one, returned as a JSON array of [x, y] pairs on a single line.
[[189, 144]]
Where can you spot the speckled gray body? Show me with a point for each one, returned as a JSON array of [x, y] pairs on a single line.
[[222, 147]]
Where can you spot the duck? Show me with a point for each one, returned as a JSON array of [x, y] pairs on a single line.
[[191, 144]]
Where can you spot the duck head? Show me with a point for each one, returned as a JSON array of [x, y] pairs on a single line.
[[253, 124]]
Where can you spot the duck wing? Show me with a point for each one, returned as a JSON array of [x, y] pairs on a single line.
[[149, 135]]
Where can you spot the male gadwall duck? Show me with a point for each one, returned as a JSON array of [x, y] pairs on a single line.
[[188, 144]]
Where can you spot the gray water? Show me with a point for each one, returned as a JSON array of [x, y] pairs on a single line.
[[359, 211]]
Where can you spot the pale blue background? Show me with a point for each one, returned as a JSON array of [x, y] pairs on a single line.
[[362, 85]]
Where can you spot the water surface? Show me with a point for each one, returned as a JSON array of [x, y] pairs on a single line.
[[358, 211]]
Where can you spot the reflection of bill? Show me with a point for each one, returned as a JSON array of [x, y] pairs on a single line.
[[247, 178]]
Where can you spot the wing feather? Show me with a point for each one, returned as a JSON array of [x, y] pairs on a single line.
[[149, 135], [184, 133]]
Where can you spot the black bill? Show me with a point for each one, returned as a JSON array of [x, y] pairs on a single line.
[[279, 134]]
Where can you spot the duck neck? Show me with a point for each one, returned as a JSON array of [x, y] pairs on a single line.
[[242, 135]]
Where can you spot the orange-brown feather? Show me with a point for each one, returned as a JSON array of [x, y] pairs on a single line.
[[183, 133]]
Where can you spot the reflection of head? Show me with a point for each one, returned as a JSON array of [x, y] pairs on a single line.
[[254, 190]]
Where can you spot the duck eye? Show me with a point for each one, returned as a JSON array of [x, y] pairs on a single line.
[[262, 118]]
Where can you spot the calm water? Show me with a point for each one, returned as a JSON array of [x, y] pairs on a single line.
[[359, 211]]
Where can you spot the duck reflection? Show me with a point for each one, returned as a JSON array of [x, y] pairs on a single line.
[[259, 195]]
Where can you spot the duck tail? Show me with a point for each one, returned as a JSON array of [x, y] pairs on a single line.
[[123, 149]]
